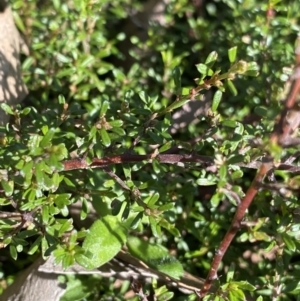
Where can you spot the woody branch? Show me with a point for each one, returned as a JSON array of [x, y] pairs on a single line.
[[288, 122]]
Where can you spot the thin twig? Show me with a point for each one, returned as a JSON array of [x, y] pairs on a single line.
[[116, 178]]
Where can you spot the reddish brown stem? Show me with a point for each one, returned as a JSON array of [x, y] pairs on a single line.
[[130, 158], [234, 227], [288, 122], [166, 159]]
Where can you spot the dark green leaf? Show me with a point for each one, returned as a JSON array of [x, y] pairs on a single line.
[[155, 256], [261, 111], [35, 246], [235, 159], [177, 80], [13, 251], [136, 221]]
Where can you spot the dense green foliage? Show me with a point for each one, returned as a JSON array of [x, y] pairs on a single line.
[[105, 84]]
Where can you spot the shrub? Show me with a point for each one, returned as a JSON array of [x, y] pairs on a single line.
[[95, 129]]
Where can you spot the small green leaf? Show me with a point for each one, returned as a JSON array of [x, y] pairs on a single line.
[[272, 245], [28, 62], [103, 241], [136, 221], [45, 214], [35, 246], [216, 198], [46, 141], [202, 68], [144, 97], [7, 109], [126, 212], [166, 147], [5, 202], [223, 172], [205, 182], [211, 58], [13, 252], [237, 174], [45, 129], [166, 296], [8, 187], [236, 295], [85, 209], [170, 227], [109, 183], [244, 285], [229, 123], [261, 111], [27, 233], [155, 228], [104, 108], [61, 99], [232, 54], [252, 69], [116, 123], [76, 290], [55, 181], [156, 256], [152, 200], [289, 242], [88, 61], [118, 74], [19, 22], [105, 137], [19, 248], [231, 87], [216, 100], [62, 200], [67, 260], [259, 235], [166, 207], [176, 104], [66, 226], [177, 80], [26, 111], [118, 131]]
